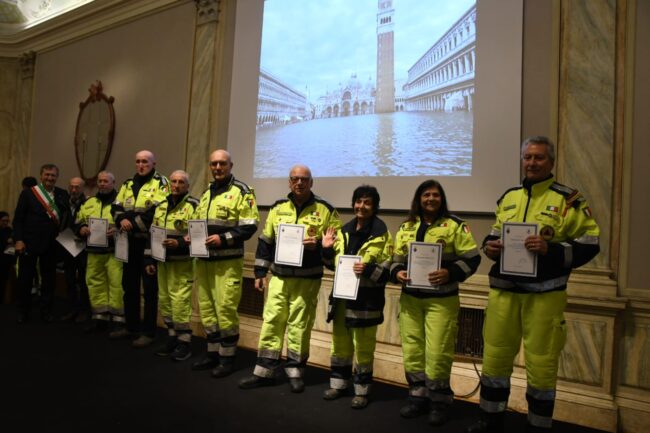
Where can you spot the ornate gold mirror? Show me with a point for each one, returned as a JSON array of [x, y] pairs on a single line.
[[94, 134]]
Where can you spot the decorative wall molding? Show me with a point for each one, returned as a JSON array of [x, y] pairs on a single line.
[[207, 11], [80, 23], [27, 64]]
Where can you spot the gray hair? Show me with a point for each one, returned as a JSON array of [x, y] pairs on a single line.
[[108, 173], [182, 173], [539, 139]]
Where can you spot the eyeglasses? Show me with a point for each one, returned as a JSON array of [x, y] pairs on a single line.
[[296, 179]]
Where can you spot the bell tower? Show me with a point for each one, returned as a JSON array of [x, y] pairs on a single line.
[[385, 99]]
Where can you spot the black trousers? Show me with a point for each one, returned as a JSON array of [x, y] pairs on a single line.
[[26, 271], [75, 280], [132, 276], [6, 263]]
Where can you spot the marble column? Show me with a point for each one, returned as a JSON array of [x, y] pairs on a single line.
[[17, 78], [587, 107], [208, 117]]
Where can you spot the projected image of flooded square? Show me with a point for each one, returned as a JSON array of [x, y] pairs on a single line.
[[366, 88]]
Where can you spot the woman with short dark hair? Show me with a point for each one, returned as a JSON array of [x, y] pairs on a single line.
[[355, 321]]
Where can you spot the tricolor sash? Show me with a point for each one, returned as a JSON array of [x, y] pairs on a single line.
[[45, 199]]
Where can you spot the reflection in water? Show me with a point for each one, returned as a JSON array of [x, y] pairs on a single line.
[[391, 144]]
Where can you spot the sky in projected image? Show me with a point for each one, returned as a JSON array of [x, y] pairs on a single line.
[[320, 102]]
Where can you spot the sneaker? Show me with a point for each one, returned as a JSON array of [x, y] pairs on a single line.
[[359, 402], [253, 381], [332, 394], [168, 348], [119, 334], [142, 341], [182, 352], [296, 385]]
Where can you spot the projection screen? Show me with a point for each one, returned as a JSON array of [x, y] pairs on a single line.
[[380, 92]]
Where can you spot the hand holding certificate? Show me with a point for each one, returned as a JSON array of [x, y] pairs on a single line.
[[98, 236], [158, 236], [289, 247], [424, 258], [515, 258], [346, 281], [198, 231]]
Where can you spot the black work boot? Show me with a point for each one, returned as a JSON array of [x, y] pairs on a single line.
[[439, 413], [416, 406], [225, 367], [209, 361], [168, 347], [253, 381], [487, 423]]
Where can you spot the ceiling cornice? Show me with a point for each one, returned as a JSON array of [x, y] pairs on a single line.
[[79, 23]]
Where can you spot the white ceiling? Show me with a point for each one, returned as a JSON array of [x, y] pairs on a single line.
[[19, 15]]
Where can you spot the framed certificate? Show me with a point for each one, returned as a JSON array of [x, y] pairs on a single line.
[[122, 246], [198, 231], [346, 282], [98, 228], [515, 258], [158, 236], [288, 246], [424, 258]]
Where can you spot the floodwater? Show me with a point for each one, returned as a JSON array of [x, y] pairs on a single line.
[[390, 144]]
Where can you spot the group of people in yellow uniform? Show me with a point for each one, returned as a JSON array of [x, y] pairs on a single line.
[[519, 307]]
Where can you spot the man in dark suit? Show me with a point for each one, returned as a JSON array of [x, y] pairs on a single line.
[[40, 213], [74, 267]]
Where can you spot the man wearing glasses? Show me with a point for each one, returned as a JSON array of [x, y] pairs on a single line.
[[292, 290]]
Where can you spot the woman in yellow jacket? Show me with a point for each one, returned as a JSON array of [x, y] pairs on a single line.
[[429, 315]]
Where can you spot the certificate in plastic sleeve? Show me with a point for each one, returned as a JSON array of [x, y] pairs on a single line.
[[122, 246], [288, 246], [346, 281], [158, 236], [424, 258], [198, 231], [515, 258], [98, 232]]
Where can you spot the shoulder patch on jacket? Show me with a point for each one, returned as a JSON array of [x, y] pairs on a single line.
[[324, 202], [572, 196], [162, 179], [407, 226], [241, 185], [193, 201], [509, 190], [127, 181], [456, 219], [562, 189], [279, 202]]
